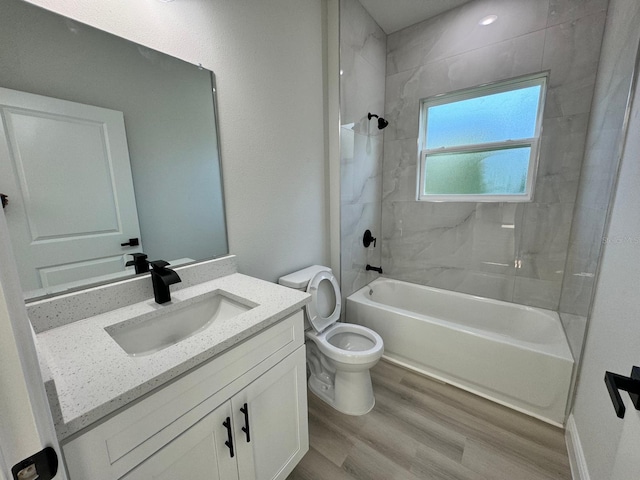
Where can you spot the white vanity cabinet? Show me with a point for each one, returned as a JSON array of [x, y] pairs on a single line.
[[250, 400], [200, 452]]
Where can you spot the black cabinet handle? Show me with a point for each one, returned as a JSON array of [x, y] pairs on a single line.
[[229, 442], [615, 382], [245, 429]]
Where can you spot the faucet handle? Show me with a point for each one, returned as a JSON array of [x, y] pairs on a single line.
[[368, 238], [159, 264], [137, 257]]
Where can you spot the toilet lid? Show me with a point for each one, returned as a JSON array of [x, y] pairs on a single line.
[[324, 309]]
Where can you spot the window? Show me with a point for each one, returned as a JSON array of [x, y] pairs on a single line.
[[481, 145]]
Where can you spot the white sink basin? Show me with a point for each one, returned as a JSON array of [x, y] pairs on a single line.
[[173, 323]]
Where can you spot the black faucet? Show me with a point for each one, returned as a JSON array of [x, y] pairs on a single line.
[[139, 262], [375, 269], [162, 277]]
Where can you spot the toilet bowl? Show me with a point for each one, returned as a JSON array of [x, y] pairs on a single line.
[[339, 355]]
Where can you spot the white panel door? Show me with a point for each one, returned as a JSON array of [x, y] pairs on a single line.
[[199, 453], [277, 420], [65, 167]]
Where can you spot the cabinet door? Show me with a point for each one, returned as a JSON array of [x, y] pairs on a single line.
[[199, 453], [276, 405]]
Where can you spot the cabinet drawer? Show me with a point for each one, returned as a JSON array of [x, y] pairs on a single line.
[[130, 436]]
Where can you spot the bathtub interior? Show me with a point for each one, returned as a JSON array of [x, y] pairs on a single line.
[[532, 328]]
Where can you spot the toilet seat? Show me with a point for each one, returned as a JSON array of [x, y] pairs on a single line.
[[323, 341], [325, 327], [315, 317]]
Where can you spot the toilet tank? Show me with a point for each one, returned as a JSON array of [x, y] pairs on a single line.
[[300, 279]]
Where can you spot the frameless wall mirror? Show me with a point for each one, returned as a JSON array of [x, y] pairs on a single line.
[[107, 148]]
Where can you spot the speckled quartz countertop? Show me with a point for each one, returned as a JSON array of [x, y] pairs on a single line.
[[89, 375]]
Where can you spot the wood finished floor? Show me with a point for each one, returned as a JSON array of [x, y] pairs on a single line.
[[423, 429]]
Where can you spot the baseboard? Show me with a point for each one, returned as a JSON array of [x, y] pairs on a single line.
[[576, 454]]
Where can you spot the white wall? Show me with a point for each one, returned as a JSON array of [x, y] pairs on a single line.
[[332, 126], [267, 57], [613, 341]]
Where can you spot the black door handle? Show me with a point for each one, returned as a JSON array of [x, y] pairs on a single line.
[[229, 442], [245, 429], [44, 464], [133, 242], [615, 382]]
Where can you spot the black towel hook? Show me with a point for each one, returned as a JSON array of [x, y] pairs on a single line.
[[615, 382]]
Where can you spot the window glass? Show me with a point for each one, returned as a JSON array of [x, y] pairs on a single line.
[[482, 144], [478, 173], [490, 118]]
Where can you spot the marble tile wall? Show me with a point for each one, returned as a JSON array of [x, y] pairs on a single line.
[[511, 252], [362, 84]]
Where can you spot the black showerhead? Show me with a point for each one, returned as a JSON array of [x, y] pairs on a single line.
[[382, 123]]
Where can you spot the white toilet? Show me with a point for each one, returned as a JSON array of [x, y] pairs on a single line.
[[339, 355]]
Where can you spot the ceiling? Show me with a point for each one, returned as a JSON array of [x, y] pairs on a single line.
[[394, 15]]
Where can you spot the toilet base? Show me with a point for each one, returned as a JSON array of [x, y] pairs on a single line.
[[351, 395]]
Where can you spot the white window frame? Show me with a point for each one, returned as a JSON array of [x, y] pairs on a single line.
[[475, 92]]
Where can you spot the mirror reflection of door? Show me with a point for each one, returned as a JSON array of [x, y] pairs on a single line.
[[65, 169]]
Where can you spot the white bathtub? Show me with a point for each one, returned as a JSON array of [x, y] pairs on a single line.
[[515, 355]]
